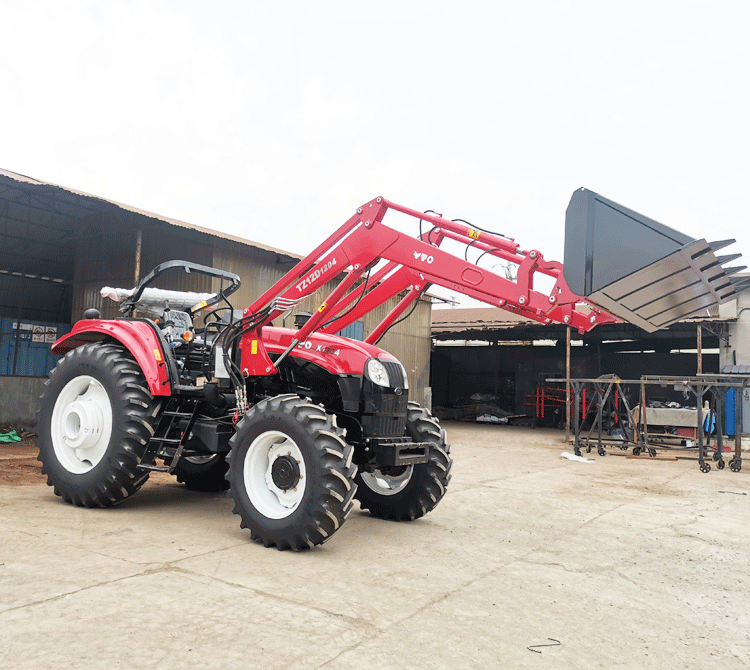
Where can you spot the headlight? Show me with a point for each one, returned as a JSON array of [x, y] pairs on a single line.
[[406, 377], [376, 372]]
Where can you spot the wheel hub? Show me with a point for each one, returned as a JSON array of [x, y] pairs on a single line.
[[274, 474], [389, 481], [285, 472], [82, 423]]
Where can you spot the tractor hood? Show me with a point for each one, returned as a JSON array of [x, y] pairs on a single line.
[[338, 355]]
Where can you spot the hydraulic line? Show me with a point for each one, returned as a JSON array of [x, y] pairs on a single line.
[[353, 307], [484, 230], [403, 318]]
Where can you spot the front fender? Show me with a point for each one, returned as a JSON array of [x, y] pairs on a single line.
[[138, 337]]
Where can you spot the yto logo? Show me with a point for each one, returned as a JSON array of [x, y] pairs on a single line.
[[423, 257]]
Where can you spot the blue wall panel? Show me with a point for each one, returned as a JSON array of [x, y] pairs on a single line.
[[34, 357]]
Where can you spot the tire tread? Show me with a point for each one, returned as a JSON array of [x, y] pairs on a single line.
[[330, 501], [120, 477]]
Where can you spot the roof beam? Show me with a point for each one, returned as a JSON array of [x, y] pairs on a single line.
[[33, 277]]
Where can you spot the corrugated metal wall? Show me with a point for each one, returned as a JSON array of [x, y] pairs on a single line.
[[104, 256], [169, 243], [258, 269], [106, 253], [39, 299]]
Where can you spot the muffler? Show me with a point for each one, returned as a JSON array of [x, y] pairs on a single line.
[[639, 269]]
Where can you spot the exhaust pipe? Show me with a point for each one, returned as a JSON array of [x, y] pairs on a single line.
[[639, 269]]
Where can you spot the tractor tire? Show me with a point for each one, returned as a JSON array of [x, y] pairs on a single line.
[[206, 474], [96, 418], [291, 474], [411, 491]]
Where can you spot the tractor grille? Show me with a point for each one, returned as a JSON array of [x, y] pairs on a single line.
[[385, 411], [389, 418], [395, 373]]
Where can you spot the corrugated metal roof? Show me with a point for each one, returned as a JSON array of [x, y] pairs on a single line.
[[174, 222], [735, 369], [488, 319], [475, 319]]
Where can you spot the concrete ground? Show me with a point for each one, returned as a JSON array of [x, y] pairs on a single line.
[[627, 563]]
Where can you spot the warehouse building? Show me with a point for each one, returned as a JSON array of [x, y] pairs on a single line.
[[492, 352], [62, 246]]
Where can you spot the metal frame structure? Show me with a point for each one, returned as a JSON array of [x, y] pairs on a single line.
[[699, 386]]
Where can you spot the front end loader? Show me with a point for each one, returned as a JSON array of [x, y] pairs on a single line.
[[298, 423]]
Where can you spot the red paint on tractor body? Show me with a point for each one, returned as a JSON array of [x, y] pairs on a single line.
[[138, 337]]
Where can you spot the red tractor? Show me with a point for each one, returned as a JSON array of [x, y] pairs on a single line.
[[299, 422]]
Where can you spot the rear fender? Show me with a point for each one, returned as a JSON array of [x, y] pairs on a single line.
[[137, 336]]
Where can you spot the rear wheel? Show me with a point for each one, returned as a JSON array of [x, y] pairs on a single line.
[[203, 473], [409, 492], [96, 418], [290, 473]]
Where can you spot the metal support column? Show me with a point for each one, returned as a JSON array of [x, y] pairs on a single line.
[[567, 384]]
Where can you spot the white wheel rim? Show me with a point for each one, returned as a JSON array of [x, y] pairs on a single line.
[[81, 425], [200, 460], [387, 485], [271, 501]]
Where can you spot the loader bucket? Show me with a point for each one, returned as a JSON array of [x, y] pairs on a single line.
[[638, 269]]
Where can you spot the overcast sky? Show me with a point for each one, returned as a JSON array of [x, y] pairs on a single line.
[[274, 121]]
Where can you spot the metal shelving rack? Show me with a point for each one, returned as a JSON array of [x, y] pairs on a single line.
[[700, 386]]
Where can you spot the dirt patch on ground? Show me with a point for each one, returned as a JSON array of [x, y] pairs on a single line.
[[18, 464]]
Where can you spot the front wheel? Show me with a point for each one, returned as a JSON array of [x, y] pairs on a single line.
[[290, 473], [95, 420], [409, 492]]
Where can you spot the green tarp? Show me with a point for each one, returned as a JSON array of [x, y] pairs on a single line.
[[10, 437]]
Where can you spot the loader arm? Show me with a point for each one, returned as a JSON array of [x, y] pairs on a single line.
[[412, 265], [626, 266]]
